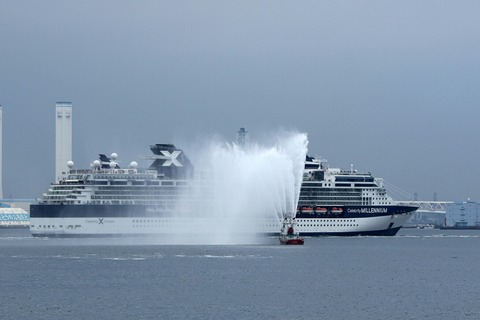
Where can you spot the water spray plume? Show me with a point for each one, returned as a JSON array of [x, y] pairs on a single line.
[[244, 186]]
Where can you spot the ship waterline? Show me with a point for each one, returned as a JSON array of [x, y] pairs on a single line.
[[102, 220]]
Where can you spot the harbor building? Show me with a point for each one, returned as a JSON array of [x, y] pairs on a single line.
[[14, 213], [463, 214], [63, 137]]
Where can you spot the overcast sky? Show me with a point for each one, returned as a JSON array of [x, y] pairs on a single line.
[[390, 86]]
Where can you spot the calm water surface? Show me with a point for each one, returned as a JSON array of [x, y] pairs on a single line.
[[418, 274]]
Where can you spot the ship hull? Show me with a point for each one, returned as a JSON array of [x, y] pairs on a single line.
[[291, 241], [116, 220]]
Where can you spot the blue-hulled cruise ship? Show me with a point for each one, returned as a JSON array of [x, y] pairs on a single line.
[[109, 200], [346, 202]]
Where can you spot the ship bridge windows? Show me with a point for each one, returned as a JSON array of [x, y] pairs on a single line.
[[118, 183], [75, 177], [362, 185], [342, 184], [354, 179]]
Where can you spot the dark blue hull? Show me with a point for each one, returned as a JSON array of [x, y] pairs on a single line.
[[380, 233], [352, 212], [89, 220], [119, 211]]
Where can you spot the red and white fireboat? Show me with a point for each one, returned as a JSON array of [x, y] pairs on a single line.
[[288, 235]]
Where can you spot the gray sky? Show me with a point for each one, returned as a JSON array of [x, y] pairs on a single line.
[[390, 86]]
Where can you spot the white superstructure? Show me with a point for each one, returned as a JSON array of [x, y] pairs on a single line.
[[63, 137]]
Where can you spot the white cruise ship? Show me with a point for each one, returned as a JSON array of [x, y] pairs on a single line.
[[107, 201]]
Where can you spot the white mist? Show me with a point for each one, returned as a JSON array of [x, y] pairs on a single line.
[[237, 187]]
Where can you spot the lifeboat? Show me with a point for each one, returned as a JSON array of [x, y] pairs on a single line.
[[320, 210], [307, 210], [337, 210]]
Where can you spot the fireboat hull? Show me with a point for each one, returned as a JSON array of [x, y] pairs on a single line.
[[291, 241]]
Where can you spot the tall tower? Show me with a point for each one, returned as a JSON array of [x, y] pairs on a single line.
[[1, 153], [242, 138], [63, 137]]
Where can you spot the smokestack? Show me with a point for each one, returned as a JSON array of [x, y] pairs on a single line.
[[242, 138], [1, 152], [63, 137]]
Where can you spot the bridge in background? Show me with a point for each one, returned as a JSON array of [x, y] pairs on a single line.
[[429, 213], [427, 206]]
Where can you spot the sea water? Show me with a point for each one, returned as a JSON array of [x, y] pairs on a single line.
[[418, 274]]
